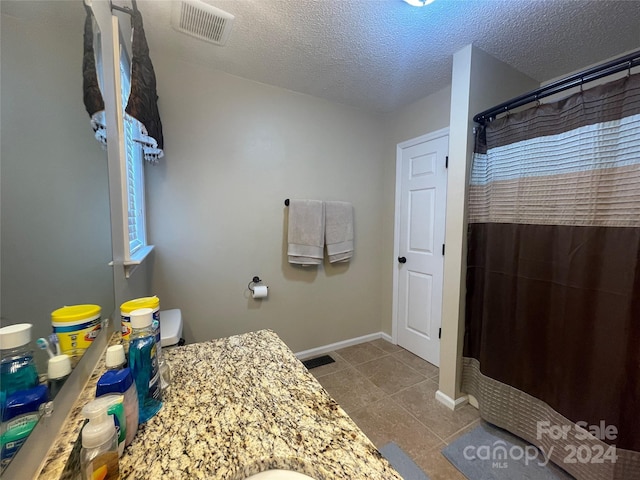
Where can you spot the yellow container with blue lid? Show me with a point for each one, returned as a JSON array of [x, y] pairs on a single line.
[[125, 314], [76, 326]]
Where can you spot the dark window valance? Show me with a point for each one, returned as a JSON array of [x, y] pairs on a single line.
[[93, 101], [142, 104], [143, 99]]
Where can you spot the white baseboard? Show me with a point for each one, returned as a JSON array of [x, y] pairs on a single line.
[[449, 402], [313, 352], [387, 337]]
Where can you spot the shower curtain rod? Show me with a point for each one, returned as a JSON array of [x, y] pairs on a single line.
[[126, 10], [594, 73]]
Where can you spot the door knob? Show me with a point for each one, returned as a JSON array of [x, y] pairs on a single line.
[[402, 259]]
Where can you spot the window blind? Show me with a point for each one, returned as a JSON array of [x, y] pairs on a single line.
[[135, 186]]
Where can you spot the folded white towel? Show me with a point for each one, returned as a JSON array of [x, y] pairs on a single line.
[[306, 232], [339, 231], [304, 261]]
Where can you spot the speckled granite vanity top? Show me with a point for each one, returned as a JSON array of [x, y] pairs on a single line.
[[245, 404]]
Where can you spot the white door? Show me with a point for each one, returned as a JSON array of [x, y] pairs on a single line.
[[422, 185]]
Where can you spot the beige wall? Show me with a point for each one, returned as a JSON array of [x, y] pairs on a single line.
[[427, 115], [245, 147], [610, 78], [479, 82], [235, 149]]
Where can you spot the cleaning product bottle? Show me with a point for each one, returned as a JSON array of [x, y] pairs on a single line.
[[76, 326], [20, 414], [99, 454], [144, 363], [120, 381]]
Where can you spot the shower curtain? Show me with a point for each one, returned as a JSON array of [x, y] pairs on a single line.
[[552, 334]]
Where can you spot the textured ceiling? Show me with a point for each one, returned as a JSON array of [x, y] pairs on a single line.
[[380, 55]]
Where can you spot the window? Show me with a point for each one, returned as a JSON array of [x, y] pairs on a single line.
[[131, 167], [134, 171]]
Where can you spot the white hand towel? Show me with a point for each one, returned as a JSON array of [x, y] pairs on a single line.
[[306, 232], [339, 231]]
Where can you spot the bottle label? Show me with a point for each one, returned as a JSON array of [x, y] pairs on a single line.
[[9, 449], [23, 422], [126, 327], [104, 466], [15, 433], [156, 330], [154, 381]]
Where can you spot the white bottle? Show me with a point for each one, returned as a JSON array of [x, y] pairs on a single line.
[[99, 454], [58, 370], [115, 358]]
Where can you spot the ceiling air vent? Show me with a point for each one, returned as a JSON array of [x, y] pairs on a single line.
[[202, 21]]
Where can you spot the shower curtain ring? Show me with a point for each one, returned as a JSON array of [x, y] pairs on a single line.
[[629, 71]]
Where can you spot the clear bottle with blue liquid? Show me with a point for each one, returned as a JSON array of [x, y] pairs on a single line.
[[143, 362], [17, 369], [20, 394]]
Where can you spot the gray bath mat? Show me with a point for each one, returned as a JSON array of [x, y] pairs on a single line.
[[480, 464], [402, 462]]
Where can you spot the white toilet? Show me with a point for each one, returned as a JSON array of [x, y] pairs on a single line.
[[171, 328]]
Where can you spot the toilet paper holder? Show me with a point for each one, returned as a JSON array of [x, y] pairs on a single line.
[[255, 280]]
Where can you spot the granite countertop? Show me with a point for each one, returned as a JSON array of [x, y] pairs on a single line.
[[244, 404]]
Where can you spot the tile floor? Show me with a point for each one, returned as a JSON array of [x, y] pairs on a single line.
[[390, 394]]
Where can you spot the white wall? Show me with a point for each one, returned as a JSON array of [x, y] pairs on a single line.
[[235, 149], [479, 81]]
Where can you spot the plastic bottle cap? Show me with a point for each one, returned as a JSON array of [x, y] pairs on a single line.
[[141, 318], [115, 356], [59, 366], [101, 426], [24, 401], [114, 381], [14, 336]]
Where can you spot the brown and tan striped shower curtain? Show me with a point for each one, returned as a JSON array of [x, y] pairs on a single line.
[[552, 338]]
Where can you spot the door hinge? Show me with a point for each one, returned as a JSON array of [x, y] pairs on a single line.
[[446, 162], [440, 333], [443, 249]]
